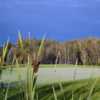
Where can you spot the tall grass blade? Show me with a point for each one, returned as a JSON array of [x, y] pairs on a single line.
[[92, 89], [41, 46], [6, 94], [62, 90], [30, 88], [20, 39], [54, 93], [80, 98], [5, 48]]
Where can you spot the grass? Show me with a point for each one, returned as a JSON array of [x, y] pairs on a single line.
[[74, 90], [68, 65], [29, 88], [71, 90], [53, 66]]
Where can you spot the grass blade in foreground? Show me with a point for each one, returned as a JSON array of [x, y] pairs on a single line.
[[5, 48], [20, 41], [6, 95], [54, 92], [41, 46], [92, 89]]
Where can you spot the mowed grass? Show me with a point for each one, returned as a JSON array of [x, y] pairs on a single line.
[[68, 65], [74, 90], [53, 66]]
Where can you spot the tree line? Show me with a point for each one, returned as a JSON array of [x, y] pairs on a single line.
[[83, 52]]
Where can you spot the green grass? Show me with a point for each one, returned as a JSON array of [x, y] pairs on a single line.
[[53, 66], [74, 90], [68, 65]]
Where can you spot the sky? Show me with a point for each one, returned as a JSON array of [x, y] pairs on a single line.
[[61, 20]]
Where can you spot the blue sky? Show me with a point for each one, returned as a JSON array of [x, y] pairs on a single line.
[[59, 19]]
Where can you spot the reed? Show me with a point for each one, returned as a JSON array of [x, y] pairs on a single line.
[[74, 90]]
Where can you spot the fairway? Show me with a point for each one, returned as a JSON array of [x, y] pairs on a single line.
[[51, 74], [68, 65]]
